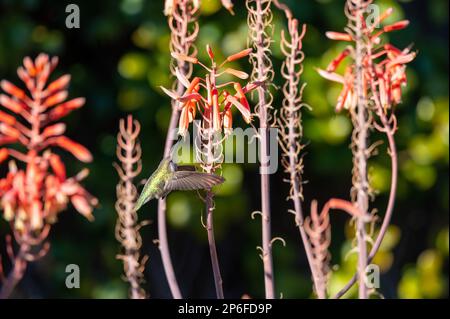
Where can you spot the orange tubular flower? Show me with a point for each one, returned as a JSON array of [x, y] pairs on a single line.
[[228, 121], [34, 195], [213, 102], [385, 67]]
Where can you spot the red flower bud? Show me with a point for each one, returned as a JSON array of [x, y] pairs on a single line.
[[210, 52], [4, 153], [77, 150], [396, 26], [339, 36], [54, 130], [29, 66], [65, 108], [55, 99], [13, 90], [184, 57], [11, 104], [9, 131], [239, 55], [82, 206], [59, 84], [6, 118], [58, 167]]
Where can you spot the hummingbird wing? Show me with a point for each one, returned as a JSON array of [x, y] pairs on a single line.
[[191, 180]]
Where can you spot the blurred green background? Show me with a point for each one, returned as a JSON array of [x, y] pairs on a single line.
[[117, 60]]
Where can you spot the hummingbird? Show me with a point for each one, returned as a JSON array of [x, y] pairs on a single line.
[[170, 176]]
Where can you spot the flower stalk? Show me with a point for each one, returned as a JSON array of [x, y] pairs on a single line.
[[214, 102], [184, 31], [361, 123], [291, 131], [127, 225], [31, 248], [259, 21], [32, 197], [372, 85]]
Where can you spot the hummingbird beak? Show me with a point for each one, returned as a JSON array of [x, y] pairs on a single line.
[[142, 199], [137, 206], [140, 202]]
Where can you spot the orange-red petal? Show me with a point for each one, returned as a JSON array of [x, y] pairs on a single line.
[[239, 55], [65, 108], [228, 121], [240, 74], [243, 109], [29, 66], [335, 63], [216, 110], [82, 206], [13, 90], [55, 99], [6, 118], [77, 150], [183, 123], [184, 57], [339, 36], [9, 131], [54, 130], [59, 84], [210, 52], [11, 104], [36, 215], [58, 167], [4, 153], [396, 26]]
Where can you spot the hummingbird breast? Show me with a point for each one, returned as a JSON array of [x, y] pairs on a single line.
[[156, 186]]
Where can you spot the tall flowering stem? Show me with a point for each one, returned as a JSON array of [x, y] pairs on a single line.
[[184, 31], [31, 248], [259, 21], [214, 102], [372, 85], [210, 151], [31, 197], [291, 129], [361, 123], [127, 227]]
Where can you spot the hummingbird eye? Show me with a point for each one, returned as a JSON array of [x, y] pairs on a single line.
[[173, 166]]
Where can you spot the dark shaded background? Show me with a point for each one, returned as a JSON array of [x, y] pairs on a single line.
[[117, 60]]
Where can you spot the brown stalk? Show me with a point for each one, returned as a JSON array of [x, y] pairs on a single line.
[[209, 152], [209, 206], [127, 225], [361, 124], [32, 198], [291, 129], [259, 21], [31, 248], [184, 31], [388, 126]]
